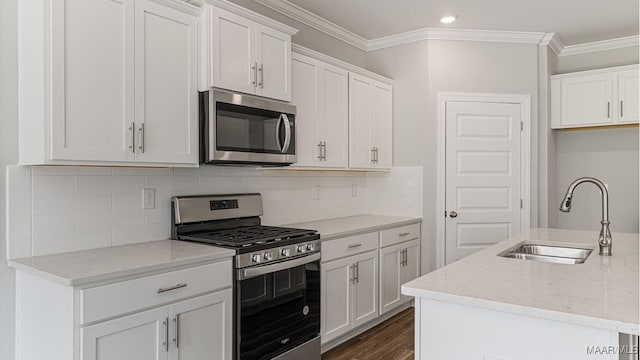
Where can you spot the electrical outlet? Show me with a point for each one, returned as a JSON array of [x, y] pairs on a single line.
[[148, 198], [316, 192], [354, 190]]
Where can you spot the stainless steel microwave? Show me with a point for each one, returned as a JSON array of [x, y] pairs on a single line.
[[245, 129]]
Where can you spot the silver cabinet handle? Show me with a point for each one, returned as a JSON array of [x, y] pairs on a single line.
[[453, 214], [324, 151], [608, 109], [357, 275], [406, 257], [404, 234], [165, 323], [352, 274], [621, 108], [141, 129], [132, 133], [320, 150], [175, 287], [287, 133], [353, 246], [176, 329], [373, 155], [254, 73], [261, 71]]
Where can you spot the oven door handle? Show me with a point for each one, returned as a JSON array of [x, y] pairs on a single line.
[[287, 133], [278, 143], [262, 270]]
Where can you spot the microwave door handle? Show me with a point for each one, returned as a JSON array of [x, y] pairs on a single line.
[[278, 143], [287, 132]]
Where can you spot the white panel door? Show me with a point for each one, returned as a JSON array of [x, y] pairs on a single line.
[[365, 297], [273, 55], [391, 277], [93, 83], [587, 100], [360, 122], [166, 84], [382, 123], [335, 311], [141, 336], [333, 119], [201, 328], [483, 143], [233, 65], [305, 97], [628, 95]]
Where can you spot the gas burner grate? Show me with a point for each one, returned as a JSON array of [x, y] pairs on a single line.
[[248, 236]]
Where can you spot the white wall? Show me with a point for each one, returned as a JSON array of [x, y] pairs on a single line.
[[8, 155], [597, 60], [423, 69]]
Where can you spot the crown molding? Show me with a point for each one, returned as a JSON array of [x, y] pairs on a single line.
[[308, 18], [619, 43], [339, 63], [554, 42]]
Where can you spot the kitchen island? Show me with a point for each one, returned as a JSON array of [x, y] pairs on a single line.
[[493, 308]]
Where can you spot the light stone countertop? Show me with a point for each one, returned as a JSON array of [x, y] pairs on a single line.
[[352, 225], [82, 267], [601, 293]]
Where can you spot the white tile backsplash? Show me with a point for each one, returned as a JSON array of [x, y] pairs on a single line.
[[61, 209]]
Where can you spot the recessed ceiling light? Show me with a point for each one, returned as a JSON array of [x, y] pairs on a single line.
[[448, 19]]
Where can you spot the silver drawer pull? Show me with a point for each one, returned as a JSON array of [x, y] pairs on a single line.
[[353, 246], [179, 286], [404, 234]]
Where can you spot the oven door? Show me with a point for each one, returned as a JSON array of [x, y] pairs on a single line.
[[277, 307], [250, 129]]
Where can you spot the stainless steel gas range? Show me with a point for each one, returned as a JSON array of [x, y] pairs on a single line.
[[277, 274]]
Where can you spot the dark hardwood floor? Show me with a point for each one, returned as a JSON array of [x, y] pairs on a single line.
[[391, 340]]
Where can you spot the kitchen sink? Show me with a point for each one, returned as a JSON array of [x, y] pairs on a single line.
[[548, 253]]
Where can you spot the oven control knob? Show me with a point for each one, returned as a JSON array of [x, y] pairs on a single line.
[[256, 258], [310, 247], [301, 248], [268, 256], [285, 252]]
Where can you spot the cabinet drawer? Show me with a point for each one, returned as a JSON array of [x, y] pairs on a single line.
[[335, 249], [399, 234], [118, 298]]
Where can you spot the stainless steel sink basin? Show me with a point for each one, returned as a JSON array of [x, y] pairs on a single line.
[[548, 253]]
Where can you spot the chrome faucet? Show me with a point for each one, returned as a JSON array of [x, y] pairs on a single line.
[[605, 234]]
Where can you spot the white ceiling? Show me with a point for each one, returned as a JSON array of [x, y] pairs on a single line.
[[574, 21]]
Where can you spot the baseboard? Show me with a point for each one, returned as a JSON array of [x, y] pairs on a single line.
[[368, 326]]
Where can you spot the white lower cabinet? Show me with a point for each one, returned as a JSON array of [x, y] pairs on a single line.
[[186, 315], [398, 265], [349, 294]]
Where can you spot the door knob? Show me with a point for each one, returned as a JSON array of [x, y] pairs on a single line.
[[453, 214]]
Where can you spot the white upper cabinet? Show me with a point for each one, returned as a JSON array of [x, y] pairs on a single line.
[[595, 98], [166, 84], [370, 123], [108, 82], [320, 93], [249, 53]]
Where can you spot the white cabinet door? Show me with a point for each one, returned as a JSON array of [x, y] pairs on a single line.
[[305, 97], [201, 328], [628, 95], [233, 64], [92, 79], [273, 55], [587, 100], [360, 122], [166, 84], [334, 115], [411, 268], [391, 277], [140, 336], [336, 313], [382, 125], [365, 298]]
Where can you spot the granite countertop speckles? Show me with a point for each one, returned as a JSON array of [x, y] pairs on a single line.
[[601, 293], [82, 267]]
